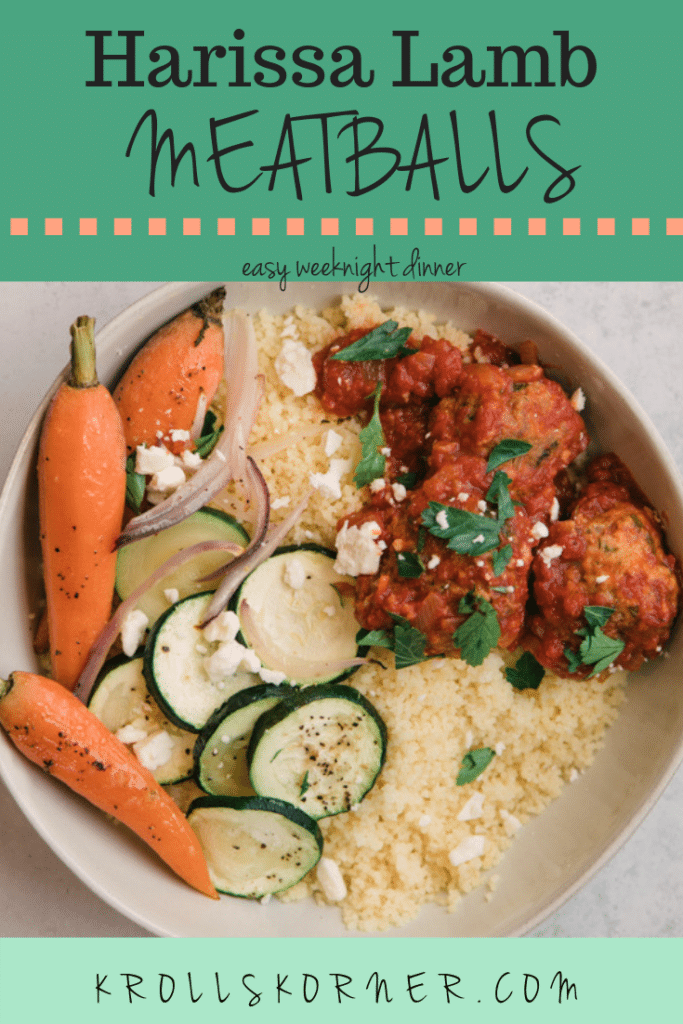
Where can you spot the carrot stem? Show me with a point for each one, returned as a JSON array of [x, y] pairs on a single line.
[[83, 373]]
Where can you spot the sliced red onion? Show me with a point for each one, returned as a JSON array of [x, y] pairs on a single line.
[[265, 449], [236, 573], [102, 645], [227, 461], [258, 490], [296, 669], [199, 417]]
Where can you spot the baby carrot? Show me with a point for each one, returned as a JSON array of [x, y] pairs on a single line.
[[180, 365], [82, 486], [54, 730]]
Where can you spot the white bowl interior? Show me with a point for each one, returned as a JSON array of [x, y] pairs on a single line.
[[556, 852]]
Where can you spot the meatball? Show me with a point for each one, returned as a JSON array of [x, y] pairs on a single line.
[[430, 600], [493, 403], [609, 553]]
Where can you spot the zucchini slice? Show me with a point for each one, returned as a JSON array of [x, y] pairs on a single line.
[[174, 666], [137, 561], [294, 619], [121, 699], [254, 847], [220, 752], [321, 749]]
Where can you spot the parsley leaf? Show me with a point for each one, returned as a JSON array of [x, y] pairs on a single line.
[[473, 764], [480, 632], [573, 658], [207, 442], [410, 565], [500, 559], [305, 785], [599, 650], [384, 342], [409, 643], [375, 638], [526, 674], [466, 532], [408, 479], [135, 485], [498, 493], [372, 463], [421, 538], [505, 450], [596, 615]]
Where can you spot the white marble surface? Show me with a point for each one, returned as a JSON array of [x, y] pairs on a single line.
[[635, 328]]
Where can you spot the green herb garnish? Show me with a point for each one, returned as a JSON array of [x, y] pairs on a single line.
[[499, 494], [505, 450], [500, 560], [410, 565], [466, 532], [409, 643], [384, 342], [596, 648], [305, 785], [573, 658], [206, 442], [473, 764], [480, 632], [408, 479], [371, 437], [375, 638], [526, 674], [135, 485]]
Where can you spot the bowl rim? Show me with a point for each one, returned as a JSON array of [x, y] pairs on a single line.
[[163, 294]]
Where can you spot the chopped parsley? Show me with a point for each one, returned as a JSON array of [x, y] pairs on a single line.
[[384, 342], [375, 638], [371, 437], [206, 442], [597, 649], [305, 785], [466, 532], [499, 494], [480, 632], [135, 485], [407, 642], [408, 479], [510, 448], [526, 674], [500, 560], [473, 764], [410, 565]]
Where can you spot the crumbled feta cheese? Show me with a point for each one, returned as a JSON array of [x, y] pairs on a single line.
[[329, 484], [473, 808], [441, 519], [271, 675], [399, 492], [190, 459], [330, 610], [167, 479], [378, 484], [280, 502], [424, 821], [554, 510], [601, 579], [468, 849], [481, 505], [152, 460], [172, 595], [551, 552], [155, 750], [330, 879], [573, 775], [294, 367], [222, 629], [358, 553], [294, 574], [179, 435], [133, 631], [433, 562], [499, 748], [520, 563], [578, 400], [479, 562], [539, 531], [385, 451], [332, 442], [228, 658], [463, 496], [479, 539], [131, 734], [510, 823]]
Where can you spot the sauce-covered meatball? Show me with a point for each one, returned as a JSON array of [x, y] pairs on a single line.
[[609, 554]]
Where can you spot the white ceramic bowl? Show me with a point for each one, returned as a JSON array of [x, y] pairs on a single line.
[[556, 852]]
